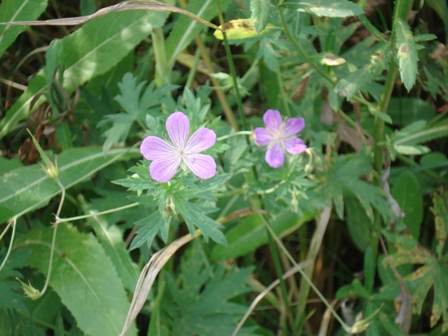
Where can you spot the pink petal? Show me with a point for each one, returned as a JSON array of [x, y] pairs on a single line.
[[262, 136], [203, 166], [274, 156], [293, 126], [163, 169], [201, 140], [153, 148], [273, 120], [178, 127], [294, 145]]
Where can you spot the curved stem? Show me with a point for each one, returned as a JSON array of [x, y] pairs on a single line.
[[71, 219], [224, 137], [12, 222]]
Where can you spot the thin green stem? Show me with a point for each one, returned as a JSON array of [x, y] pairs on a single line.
[[302, 51], [224, 137], [279, 273], [162, 70], [232, 71], [12, 222], [283, 92], [53, 241], [72, 219], [402, 11], [303, 274]]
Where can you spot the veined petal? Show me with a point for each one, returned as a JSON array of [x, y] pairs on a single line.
[[203, 166], [163, 169], [201, 140], [262, 136], [153, 148], [275, 156], [178, 127], [294, 145], [272, 120], [293, 126]]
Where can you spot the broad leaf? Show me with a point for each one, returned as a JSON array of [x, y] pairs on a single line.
[[251, 233], [260, 10], [85, 54], [406, 54], [29, 188], [13, 10], [83, 276], [111, 239], [406, 191]]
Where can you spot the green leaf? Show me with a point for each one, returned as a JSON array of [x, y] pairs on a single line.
[[83, 276], [381, 115], [136, 104], [90, 51], [440, 211], [148, 229], [406, 54], [29, 188], [330, 8], [358, 224], [433, 273], [186, 29], [202, 296], [406, 191], [250, 233], [260, 10], [406, 110], [411, 150], [13, 10], [353, 83], [111, 239], [194, 217], [345, 178]]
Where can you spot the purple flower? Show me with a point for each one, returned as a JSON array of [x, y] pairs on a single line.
[[167, 156], [279, 136]]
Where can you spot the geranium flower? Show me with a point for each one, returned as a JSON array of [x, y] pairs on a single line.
[[167, 156], [279, 136]]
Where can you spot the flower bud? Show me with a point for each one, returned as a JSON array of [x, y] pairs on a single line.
[[30, 291]]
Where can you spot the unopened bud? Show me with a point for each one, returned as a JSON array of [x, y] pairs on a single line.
[[30, 291]]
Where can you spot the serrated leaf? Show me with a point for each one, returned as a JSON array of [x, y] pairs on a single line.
[[111, 239], [344, 177], [83, 276], [28, 188], [13, 10], [433, 274], [148, 229], [202, 296], [194, 217], [85, 54], [260, 13], [352, 84], [339, 8], [406, 54]]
